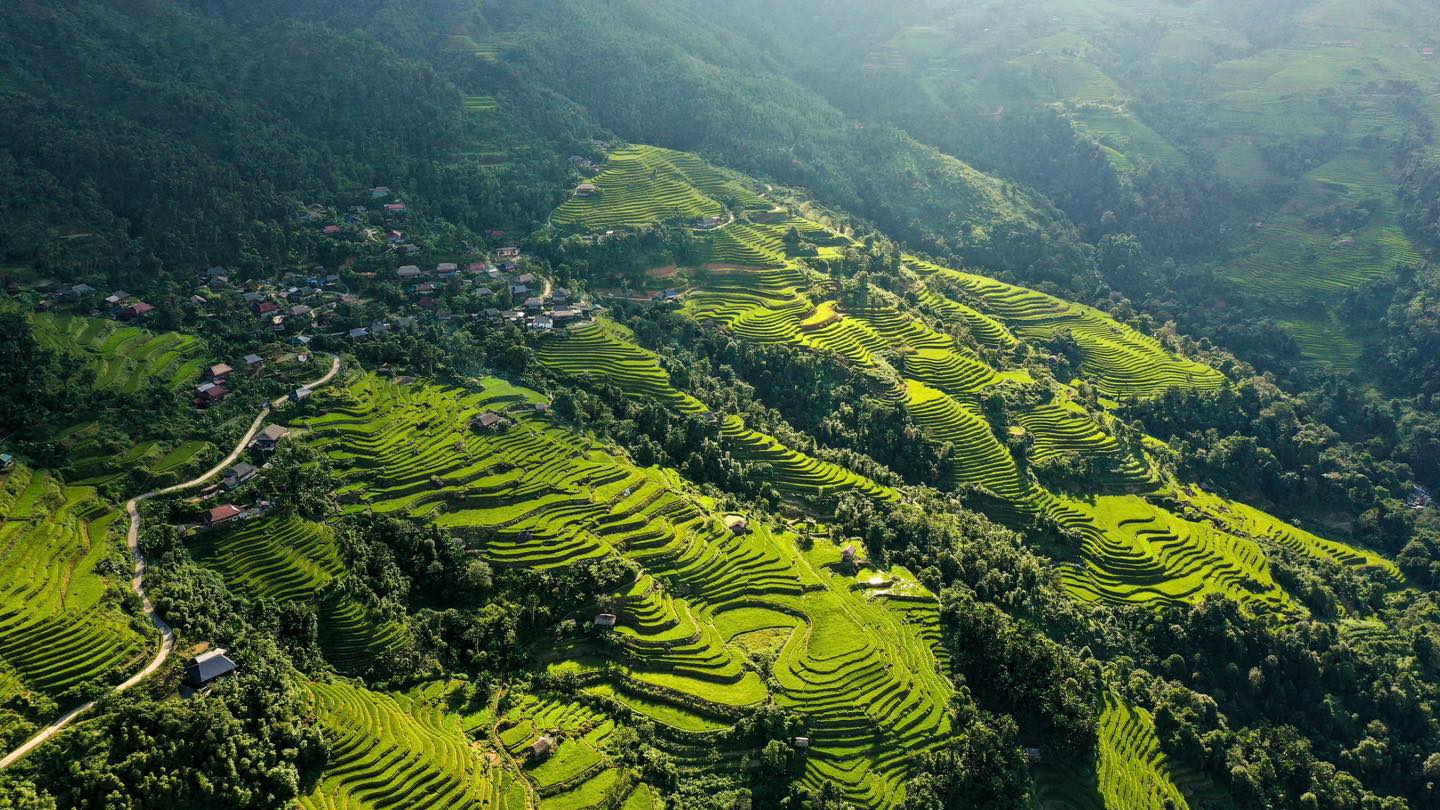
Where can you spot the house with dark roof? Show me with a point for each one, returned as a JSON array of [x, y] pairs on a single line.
[[253, 360], [606, 620], [238, 475], [271, 437], [490, 422], [6, 462], [206, 667]]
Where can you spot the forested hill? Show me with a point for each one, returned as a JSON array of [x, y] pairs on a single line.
[[144, 138], [630, 405], [217, 115]]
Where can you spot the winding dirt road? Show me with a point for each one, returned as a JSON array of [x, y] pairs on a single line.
[[137, 582]]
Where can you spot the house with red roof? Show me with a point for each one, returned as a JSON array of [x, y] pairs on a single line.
[[139, 309], [220, 514]]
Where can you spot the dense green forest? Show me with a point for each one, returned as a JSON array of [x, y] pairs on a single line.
[[813, 405]]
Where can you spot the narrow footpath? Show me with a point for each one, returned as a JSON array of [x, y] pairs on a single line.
[[137, 582]]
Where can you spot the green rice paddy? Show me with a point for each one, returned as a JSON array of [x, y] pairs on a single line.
[[59, 623]]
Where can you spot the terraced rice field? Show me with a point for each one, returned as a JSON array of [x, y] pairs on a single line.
[[606, 350], [1126, 548], [58, 629], [1117, 360], [646, 185], [285, 558], [481, 104], [795, 473], [579, 774], [1136, 552], [125, 358], [862, 666], [1130, 771], [393, 751]]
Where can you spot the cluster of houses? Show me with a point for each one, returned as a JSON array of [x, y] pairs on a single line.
[[267, 441], [378, 221], [534, 307], [212, 390], [119, 304], [298, 302], [544, 313]]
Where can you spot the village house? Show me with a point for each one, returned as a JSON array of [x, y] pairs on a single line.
[[585, 190], [7, 461], [220, 514], [137, 310], [606, 620], [332, 230], [542, 323], [379, 192], [490, 421], [265, 308], [541, 749], [117, 298], [300, 394], [210, 396], [563, 316], [395, 209], [300, 310], [77, 291], [409, 271], [534, 304], [737, 524], [239, 474], [445, 269], [359, 333], [800, 743], [254, 361], [218, 371], [206, 667], [508, 252], [270, 438]]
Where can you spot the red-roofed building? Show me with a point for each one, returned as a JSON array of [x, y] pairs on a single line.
[[137, 310], [266, 307], [220, 514], [332, 230], [210, 396]]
